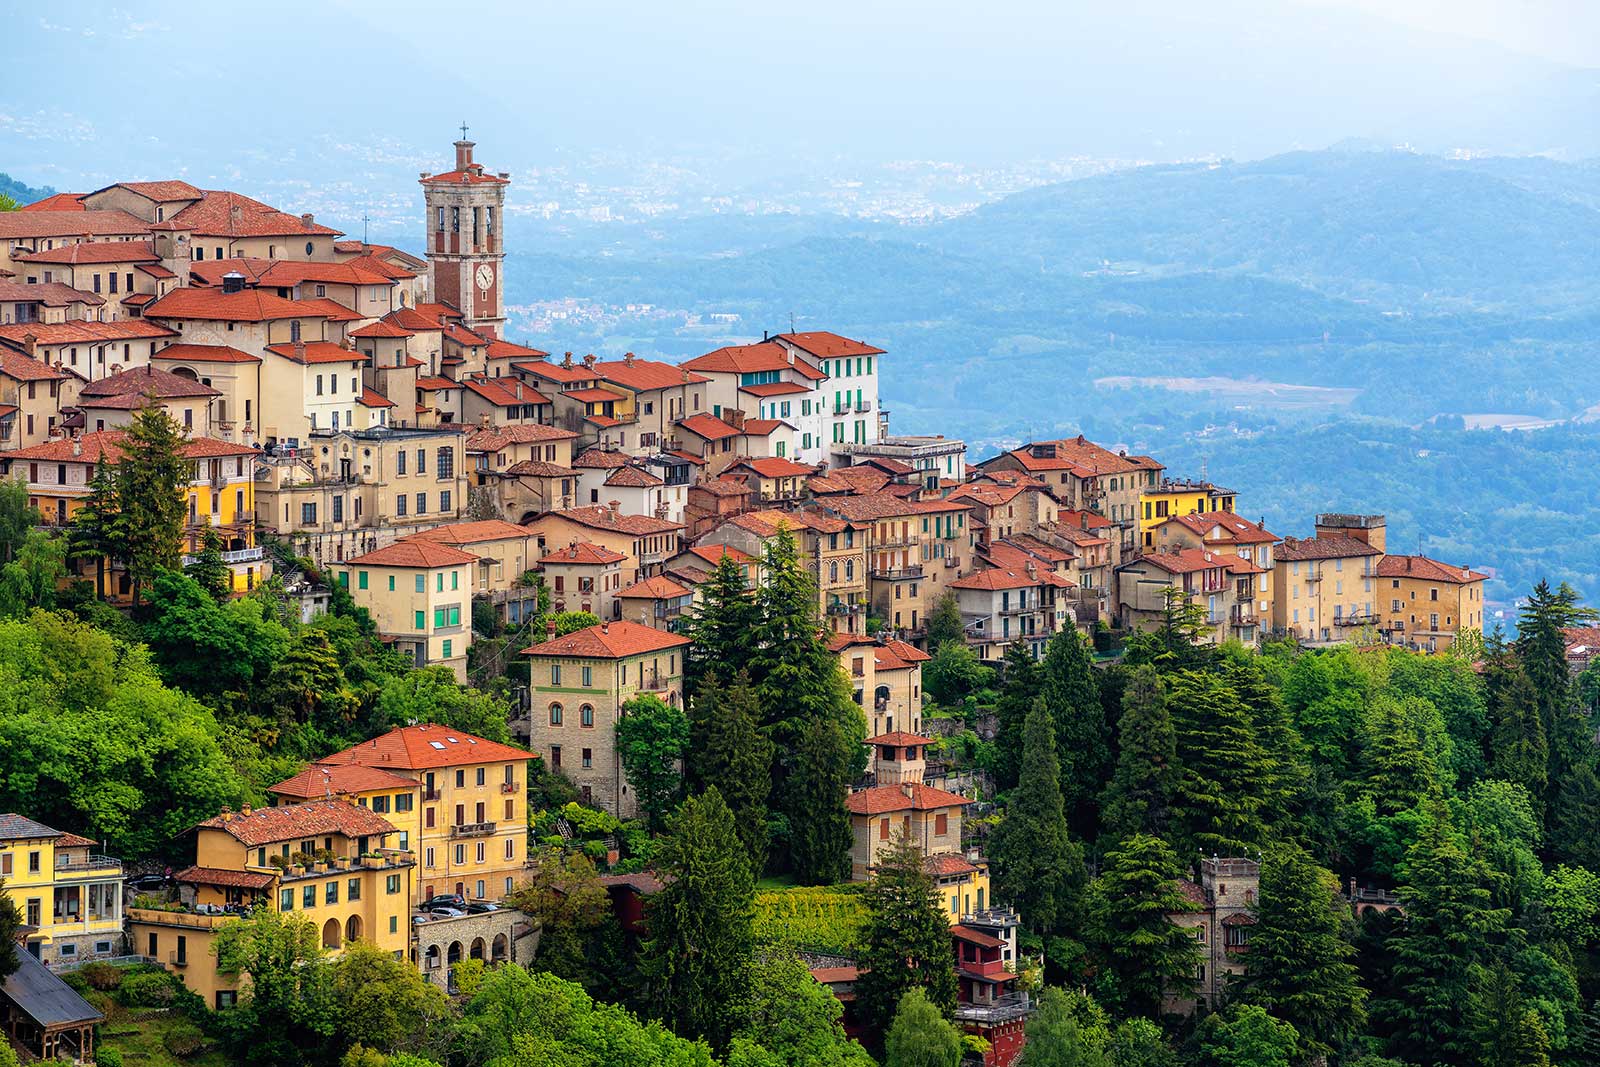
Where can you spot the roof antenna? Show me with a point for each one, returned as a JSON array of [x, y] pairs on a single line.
[[364, 220], [791, 322]]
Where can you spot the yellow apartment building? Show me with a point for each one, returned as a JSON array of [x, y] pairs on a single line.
[[1172, 498], [1423, 603], [885, 679], [420, 597], [504, 551], [470, 794], [1325, 588], [69, 896], [328, 862]]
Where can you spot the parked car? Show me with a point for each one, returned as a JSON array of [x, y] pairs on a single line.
[[148, 882], [447, 913], [443, 900], [480, 907]]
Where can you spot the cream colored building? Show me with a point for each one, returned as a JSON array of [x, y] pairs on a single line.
[[1326, 586], [420, 596], [1424, 603], [505, 555], [885, 679]]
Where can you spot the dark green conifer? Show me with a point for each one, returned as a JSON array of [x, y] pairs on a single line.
[[1037, 868]]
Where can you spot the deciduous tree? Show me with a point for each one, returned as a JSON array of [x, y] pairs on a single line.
[[652, 737], [944, 623], [1054, 1038], [920, 1035]]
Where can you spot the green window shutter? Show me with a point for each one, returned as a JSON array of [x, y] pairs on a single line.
[[421, 622], [361, 580]]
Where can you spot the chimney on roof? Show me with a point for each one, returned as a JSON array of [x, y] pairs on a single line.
[[233, 282], [246, 810], [235, 214], [566, 359], [627, 359], [299, 350], [308, 219], [588, 361], [605, 627], [77, 447], [29, 343], [464, 154], [909, 790], [613, 505]]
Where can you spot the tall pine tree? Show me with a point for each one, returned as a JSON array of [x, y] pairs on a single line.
[[728, 750], [696, 965], [906, 942], [721, 625], [819, 832], [151, 480], [1299, 966], [1037, 868], [1130, 926], [1506, 1030], [1139, 799], [1227, 776], [1519, 750], [1083, 744], [96, 531], [1019, 688]]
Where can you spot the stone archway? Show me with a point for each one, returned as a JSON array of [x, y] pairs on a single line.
[[497, 949], [453, 955], [477, 948]]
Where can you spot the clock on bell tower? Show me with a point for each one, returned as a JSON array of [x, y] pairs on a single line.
[[465, 251]]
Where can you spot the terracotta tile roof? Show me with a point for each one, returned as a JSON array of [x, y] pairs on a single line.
[[381, 267], [774, 467], [887, 464], [145, 381], [659, 587], [84, 333], [894, 655], [294, 822], [997, 578], [1238, 530], [899, 738], [1329, 546], [505, 392], [27, 225], [331, 309], [557, 372], [503, 349], [432, 382], [708, 427], [722, 487], [471, 533], [421, 554], [830, 975], [381, 328], [473, 175], [868, 508], [331, 779], [645, 375], [989, 496], [602, 518], [750, 359], [318, 352], [439, 312], [976, 937], [601, 459], [247, 305], [1083, 520], [154, 270], [21, 368], [464, 337], [187, 353], [767, 389], [1185, 561], [50, 294], [214, 215], [71, 840], [948, 865], [58, 202], [106, 446], [584, 552], [427, 746], [138, 299], [714, 554], [909, 796], [631, 478], [1189, 889], [593, 394], [371, 398], [162, 192], [614, 640], [688, 457], [486, 440], [1427, 569], [1034, 547], [224, 878], [85, 252], [767, 522], [412, 321], [284, 273], [762, 427], [538, 468], [825, 345], [1081, 456]]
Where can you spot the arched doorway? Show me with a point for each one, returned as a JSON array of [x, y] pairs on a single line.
[[453, 955], [330, 933], [477, 948], [352, 928], [430, 958], [497, 949]]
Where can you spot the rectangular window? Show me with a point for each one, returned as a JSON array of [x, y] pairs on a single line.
[[422, 621], [392, 883], [286, 900], [331, 894], [308, 896], [446, 648], [421, 583], [353, 889], [588, 677], [400, 462], [422, 503], [400, 504]]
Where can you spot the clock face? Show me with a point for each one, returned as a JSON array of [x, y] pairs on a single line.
[[484, 276]]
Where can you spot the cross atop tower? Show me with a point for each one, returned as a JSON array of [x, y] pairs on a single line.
[[463, 129]]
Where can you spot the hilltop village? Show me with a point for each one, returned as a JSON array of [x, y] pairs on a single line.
[[665, 610]]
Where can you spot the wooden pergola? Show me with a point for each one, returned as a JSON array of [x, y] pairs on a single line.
[[43, 1014]]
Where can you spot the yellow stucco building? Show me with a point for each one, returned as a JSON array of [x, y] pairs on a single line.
[[69, 896], [1171, 499], [328, 862], [420, 597]]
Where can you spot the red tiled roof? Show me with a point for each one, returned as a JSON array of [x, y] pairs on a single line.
[[331, 779], [659, 587], [135, 300], [1186, 561], [465, 337], [471, 533], [162, 192], [23, 368], [432, 382], [615, 640], [767, 389], [603, 518], [293, 822], [900, 739], [106, 446], [766, 523], [495, 438], [644, 375], [318, 352], [381, 328], [714, 554], [82, 333], [503, 349], [439, 312], [473, 175], [505, 392], [422, 554], [247, 305], [687, 457], [1081, 456], [896, 655], [1427, 569], [72, 840], [948, 865], [561, 373], [976, 937], [830, 975], [58, 202], [761, 427], [224, 878], [331, 309], [825, 345], [601, 459], [1328, 546], [143, 381], [749, 359], [631, 477], [996, 578], [775, 467], [214, 215], [80, 223], [908, 796], [538, 468], [371, 398], [722, 487], [412, 321], [283, 273], [870, 507], [85, 252], [584, 552], [1238, 530], [708, 427], [426, 746], [50, 294], [593, 394]]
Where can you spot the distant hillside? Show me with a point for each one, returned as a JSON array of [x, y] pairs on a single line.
[[22, 194]]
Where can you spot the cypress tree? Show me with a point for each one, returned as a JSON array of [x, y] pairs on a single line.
[[1019, 688], [151, 499], [1541, 649], [720, 626], [1082, 737], [820, 835], [1299, 967], [697, 962], [1221, 802], [1130, 926], [906, 940], [1139, 799], [1400, 772], [1447, 932], [96, 529], [728, 750], [1035, 865]]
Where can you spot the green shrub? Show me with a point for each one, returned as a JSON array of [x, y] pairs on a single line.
[[100, 1002], [148, 989], [184, 1041], [108, 1057], [102, 976]]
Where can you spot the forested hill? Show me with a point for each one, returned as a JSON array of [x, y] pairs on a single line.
[[22, 194]]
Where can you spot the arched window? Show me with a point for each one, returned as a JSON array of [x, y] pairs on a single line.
[[352, 928], [477, 948], [586, 716], [555, 714], [330, 933], [453, 956], [833, 571], [497, 948]]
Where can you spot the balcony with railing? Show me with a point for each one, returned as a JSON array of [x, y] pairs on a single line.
[[1240, 615], [235, 555], [89, 867], [909, 570], [472, 829], [1362, 619], [1001, 1009]]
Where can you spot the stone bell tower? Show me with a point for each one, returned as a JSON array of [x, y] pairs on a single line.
[[466, 250]]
